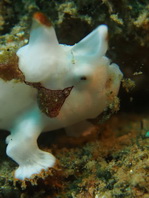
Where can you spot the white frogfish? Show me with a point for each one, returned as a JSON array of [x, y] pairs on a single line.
[[61, 86]]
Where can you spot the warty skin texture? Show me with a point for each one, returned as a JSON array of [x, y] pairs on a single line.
[[81, 69]]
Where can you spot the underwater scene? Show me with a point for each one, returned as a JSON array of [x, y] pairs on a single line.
[[74, 99]]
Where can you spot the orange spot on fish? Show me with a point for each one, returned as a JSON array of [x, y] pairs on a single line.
[[41, 18]]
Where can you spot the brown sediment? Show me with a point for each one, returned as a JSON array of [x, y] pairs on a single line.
[[113, 164]]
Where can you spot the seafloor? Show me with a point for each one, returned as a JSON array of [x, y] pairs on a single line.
[[113, 161]]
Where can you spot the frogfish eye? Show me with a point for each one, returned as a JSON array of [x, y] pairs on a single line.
[[83, 78]]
